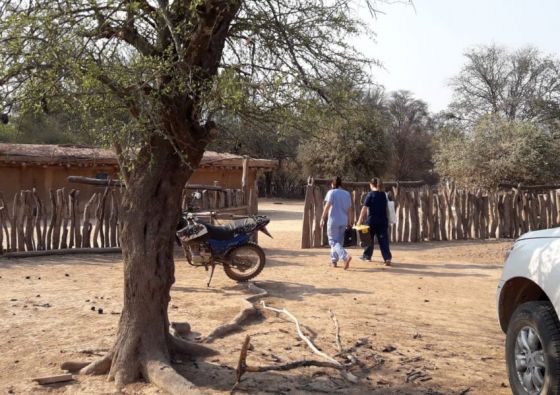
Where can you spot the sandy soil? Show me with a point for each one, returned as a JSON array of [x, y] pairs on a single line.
[[433, 311]]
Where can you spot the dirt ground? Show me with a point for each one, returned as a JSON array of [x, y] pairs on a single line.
[[433, 312]]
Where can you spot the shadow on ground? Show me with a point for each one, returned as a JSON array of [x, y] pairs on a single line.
[[281, 289], [427, 270]]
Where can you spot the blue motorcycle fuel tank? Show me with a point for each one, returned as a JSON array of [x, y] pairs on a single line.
[[220, 247]]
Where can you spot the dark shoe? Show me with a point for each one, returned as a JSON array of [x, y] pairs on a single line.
[[365, 259], [388, 262]]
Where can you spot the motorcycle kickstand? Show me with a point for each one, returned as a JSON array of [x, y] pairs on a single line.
[[212, 267]]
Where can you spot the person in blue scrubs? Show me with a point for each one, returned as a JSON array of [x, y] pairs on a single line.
[[339, 214], [375, 207]]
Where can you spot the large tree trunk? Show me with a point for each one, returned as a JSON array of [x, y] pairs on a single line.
[[151, 208]]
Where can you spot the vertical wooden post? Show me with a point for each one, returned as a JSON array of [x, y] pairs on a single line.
[[542, 212], [19, 215], [28, 220], [400, 203], [557, 204], [458, 199], [65, 220], [76, 219], [429, 215], [533, 212], [59, 207], [6, 221], [245, 180], [99, 214], [448, 197], [2, 224], [393, 228], [13, 231], [306, 227], [113, 219], [442, 215], [52, 219], [86, 222], [553, 209], [406, 216], [38, 221], [524, 212], [476, 214], [414, 224], [484, 217], [317, 238], [106, 220]]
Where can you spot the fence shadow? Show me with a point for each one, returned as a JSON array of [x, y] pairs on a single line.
[[426, 270], [108, 259]]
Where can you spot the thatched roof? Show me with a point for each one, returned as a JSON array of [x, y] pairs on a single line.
[[68, 155]]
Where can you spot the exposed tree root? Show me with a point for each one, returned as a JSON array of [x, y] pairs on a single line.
[[182, 346], [73, 367], [99, 366], [247, 311], [165, 377], [157, 371]]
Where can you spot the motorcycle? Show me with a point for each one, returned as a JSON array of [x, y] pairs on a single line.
[[229, 245]]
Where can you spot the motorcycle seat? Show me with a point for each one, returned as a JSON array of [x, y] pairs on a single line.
[[230, 230], [219, 232]]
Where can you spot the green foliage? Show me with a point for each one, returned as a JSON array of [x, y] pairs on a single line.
[[498, 150], [352, 144], [43, 128]]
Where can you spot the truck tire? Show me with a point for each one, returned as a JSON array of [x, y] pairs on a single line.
[[533, 350]]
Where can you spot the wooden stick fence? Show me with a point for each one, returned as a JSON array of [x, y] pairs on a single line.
[[30, 224], [445, 213]]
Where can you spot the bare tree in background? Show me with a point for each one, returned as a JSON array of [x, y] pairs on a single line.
[[521, 85], [410, 131]]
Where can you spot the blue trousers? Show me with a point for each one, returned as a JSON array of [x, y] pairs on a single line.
[[336, 241], [381, 232]]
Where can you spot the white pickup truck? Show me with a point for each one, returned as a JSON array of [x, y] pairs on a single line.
[[528, 308]]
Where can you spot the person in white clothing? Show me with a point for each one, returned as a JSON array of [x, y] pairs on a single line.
[[338, 214]]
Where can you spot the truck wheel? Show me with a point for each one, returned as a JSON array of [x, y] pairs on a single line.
[[533, 350]]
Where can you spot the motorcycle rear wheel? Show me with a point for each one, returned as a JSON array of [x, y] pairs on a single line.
[[244, 262]]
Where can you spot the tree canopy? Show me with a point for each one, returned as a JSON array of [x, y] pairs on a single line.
[[499, 150]]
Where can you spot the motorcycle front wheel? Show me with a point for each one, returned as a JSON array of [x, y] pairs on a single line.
[[244, 262]]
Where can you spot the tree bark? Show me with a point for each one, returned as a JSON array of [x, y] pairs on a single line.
[[150, 210]]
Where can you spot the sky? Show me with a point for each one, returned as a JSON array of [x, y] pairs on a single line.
[[421, 47]]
